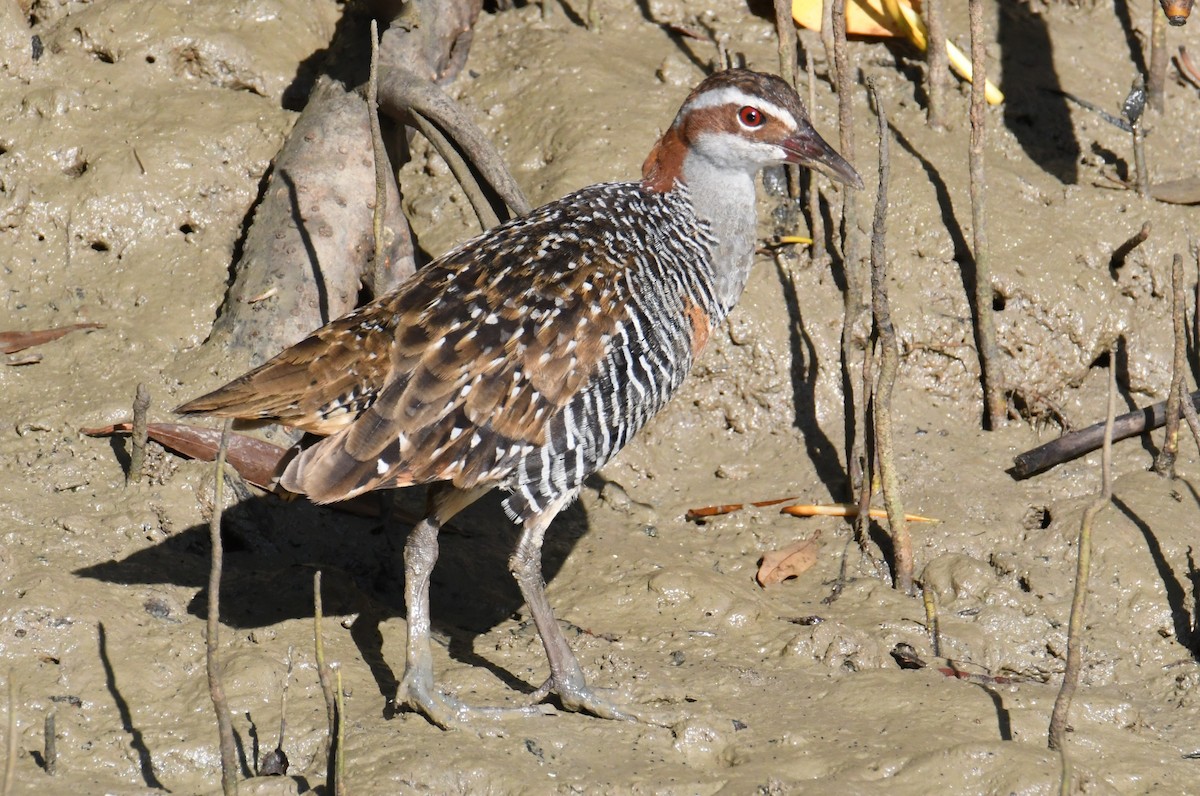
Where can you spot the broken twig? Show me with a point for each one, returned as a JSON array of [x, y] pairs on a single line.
[[50, 745], [140, 436]]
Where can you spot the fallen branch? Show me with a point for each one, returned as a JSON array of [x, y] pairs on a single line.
[[1077, 443], [727, 508]]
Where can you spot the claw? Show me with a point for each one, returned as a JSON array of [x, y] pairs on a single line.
[[449, 712], [579, 697]]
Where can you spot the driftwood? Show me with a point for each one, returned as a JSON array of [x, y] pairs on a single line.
[[311, 246]]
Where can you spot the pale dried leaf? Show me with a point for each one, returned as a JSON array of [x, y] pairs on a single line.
[[1178, 192], [789, 562]]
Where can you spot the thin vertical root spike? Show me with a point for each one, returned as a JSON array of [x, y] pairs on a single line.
[[1062, 704], [216, 686]]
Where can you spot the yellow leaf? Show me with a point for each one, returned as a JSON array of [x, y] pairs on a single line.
[[863, 17], [889, 18]]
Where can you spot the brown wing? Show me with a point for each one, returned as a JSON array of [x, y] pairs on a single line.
[[481, 360], [453, 376], [321, 384]]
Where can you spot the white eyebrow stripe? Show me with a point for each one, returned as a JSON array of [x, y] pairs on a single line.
[[731, 95]]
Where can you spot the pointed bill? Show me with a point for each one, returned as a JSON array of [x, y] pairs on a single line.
[[807, 148]]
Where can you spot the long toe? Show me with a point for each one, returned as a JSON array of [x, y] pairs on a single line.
[[582, 698], [449, 712]]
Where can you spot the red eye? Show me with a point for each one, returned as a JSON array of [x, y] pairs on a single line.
[[751, 117]]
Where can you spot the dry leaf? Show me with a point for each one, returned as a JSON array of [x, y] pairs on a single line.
[[875, 18], [1178, 192], [256, 461], [863, 17], [793, 560], [727, 508], [12, 342]]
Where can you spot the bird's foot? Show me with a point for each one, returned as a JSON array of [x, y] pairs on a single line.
[[576, 695], [449, 712]]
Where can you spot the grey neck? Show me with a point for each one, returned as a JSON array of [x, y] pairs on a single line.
[[725, 199]]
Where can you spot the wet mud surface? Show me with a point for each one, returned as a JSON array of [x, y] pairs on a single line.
[[131, 152]]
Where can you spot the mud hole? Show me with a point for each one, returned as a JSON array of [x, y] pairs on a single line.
[[130, 153]]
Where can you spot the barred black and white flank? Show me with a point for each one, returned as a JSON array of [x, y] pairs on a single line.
[[526, 358]]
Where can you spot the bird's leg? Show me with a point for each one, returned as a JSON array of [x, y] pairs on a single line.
[[420, 554], [566, 677]]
